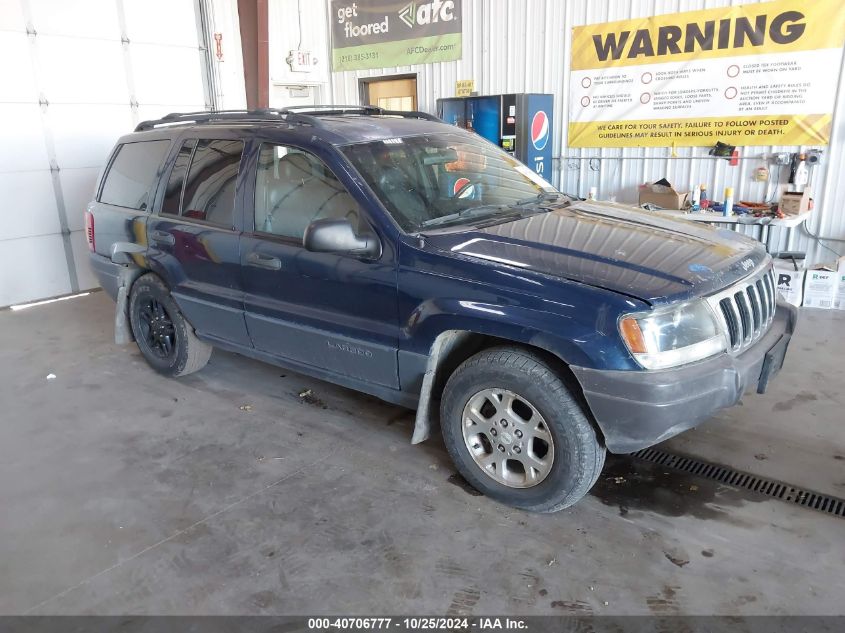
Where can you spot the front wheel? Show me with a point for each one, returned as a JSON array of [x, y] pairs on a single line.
[[516, 432], [166, 340]]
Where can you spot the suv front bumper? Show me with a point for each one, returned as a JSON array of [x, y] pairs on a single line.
[[637, 409]]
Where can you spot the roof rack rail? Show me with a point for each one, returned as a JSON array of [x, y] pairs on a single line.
[[333, 109], [413, 114], [205, 116], [303, 115], [328, 110]]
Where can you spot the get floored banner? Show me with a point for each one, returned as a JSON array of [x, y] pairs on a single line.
[[757, 74], [382, 33]]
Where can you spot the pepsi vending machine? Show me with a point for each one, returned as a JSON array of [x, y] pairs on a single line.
[[521, 124]]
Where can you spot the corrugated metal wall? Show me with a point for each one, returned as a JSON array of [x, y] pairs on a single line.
[[523, 46]]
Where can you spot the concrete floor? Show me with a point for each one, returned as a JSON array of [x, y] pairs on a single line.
[[226, 493]]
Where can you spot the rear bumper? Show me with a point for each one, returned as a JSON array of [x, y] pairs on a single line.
[[637, 409], [109, 274]]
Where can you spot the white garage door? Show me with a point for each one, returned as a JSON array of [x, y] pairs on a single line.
[[75, 75]]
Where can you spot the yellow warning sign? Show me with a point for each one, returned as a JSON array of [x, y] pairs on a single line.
[[464, 87], [755, 74]]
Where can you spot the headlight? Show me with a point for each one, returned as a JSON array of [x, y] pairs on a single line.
[[666, 338]]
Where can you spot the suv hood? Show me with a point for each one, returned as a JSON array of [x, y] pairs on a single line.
[[645, 255]]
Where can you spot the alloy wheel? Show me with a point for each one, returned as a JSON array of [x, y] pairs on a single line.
[[508, 438], [157, 328]]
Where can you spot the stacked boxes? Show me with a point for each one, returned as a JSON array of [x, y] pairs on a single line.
[[821, 287]]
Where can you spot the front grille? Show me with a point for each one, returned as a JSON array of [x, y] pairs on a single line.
[[747, 309]]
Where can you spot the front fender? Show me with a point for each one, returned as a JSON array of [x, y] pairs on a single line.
[[447, 324], [586, 340]]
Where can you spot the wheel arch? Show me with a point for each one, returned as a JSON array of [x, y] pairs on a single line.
[[129, 274], [452, 347], [187, 352]]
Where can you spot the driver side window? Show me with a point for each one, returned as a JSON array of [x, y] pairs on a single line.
[[293, 188]]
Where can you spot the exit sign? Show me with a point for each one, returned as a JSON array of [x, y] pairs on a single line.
[[300, 61]]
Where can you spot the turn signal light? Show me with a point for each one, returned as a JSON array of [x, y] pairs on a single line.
[[633, 335]]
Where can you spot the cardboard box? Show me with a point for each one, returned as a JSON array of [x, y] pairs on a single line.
[[662, 196], [794, 202], [820, 289], [839, 300], [790, 282]]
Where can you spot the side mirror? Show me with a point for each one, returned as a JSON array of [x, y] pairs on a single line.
[[338, 236]]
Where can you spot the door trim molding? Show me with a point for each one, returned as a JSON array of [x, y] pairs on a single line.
[[374, 362], [394, 396]]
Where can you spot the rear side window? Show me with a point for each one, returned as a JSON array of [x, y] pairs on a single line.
[[209, 193], [131, 179], [175, 184]]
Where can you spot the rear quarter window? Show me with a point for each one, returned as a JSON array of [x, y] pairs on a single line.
[[131, 179]]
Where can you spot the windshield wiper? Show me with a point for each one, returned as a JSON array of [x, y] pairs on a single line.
[[462, 215], [501, 218], [543, 196]]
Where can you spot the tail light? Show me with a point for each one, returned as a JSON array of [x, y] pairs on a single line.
[[89, 231]]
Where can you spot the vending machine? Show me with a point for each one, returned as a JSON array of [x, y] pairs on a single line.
[[521, 124]]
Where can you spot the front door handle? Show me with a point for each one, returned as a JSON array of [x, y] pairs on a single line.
[[264, 261], [163, 236]]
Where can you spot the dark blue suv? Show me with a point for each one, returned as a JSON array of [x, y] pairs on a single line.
[[394, 254]]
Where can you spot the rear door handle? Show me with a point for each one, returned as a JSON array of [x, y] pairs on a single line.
[[264, 261], [163, 236]]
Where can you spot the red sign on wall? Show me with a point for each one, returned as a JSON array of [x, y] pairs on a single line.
[[218, 46]]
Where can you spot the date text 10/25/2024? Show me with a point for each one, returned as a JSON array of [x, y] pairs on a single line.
[[417, 623]]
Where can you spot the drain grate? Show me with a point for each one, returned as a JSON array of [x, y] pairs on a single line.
[[729, 476]]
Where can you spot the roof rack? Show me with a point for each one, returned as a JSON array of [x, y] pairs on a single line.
[[302, 115], [413, 114], [366, 110], [207, 116], [333, 109]]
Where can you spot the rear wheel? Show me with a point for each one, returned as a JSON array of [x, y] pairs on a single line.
[[166, 340], [517, 433]]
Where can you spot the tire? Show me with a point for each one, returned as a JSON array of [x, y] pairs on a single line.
[[552, 469], [167, 341]]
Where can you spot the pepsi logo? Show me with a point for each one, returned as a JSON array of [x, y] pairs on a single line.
[[463, 188], [540, 130]]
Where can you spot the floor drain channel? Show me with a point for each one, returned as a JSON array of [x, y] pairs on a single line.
[[729, 476]]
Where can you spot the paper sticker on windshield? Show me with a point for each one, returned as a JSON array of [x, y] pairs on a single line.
[[392, 141], [533, 177]]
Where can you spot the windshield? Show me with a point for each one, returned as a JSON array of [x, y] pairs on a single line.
[[445, 179]]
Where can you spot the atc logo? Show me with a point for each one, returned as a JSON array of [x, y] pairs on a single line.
[[427, 13], [540, 130], [408, 14]]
